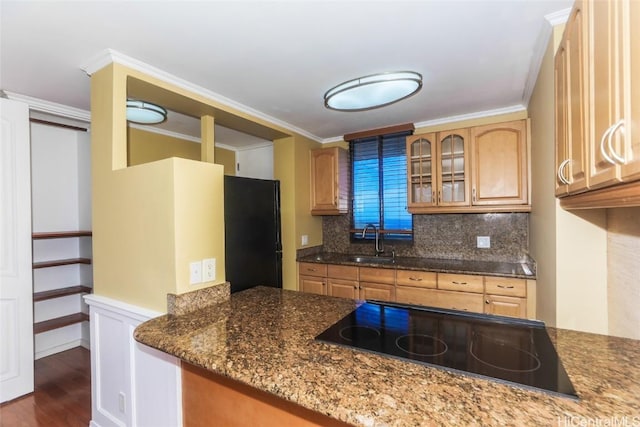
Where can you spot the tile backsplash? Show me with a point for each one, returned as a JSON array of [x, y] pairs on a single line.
[[448, 236]]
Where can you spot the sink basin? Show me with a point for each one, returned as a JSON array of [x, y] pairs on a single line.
[[369, 259]]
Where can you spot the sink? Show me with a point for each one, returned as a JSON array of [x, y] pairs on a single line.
[[369, 259]]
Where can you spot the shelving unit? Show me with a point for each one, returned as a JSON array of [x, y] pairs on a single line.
[[62, 321]]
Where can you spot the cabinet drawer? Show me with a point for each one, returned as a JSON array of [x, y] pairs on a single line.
[[460, 282], [420, 296], [377, 275], [312, 269], [421, 279], [346, 272], [506, 306], [505, 286]]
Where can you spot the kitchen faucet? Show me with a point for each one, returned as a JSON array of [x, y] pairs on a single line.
[[379, 244]]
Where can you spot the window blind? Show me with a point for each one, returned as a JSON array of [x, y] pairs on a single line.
[[379, 166]]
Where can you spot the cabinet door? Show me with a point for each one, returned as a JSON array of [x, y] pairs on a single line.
[[377, 291], [604, 89], [329, 181], [313, 285], [343, 288], [453, 168], [419, 296], [421, 170], [500, 164], [561, 125], [576, 101], [506, 306], [630, 17]]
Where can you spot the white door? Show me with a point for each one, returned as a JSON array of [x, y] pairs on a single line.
[[16, 283]]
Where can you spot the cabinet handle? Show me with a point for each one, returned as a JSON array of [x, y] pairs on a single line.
[[505, 287], [474, 195], [463, 309], [616, 157], [355, 287], [311, 269], [416, 279], [459, 283], [602, 150], [561, 177], [439, 196]]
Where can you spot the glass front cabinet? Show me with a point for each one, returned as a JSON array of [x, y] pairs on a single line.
[[438, 172]]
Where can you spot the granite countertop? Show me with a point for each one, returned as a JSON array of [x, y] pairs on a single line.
[[264, 337], [486, 268]]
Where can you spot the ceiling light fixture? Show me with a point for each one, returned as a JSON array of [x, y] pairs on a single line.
[[374, 91], [145, 113]]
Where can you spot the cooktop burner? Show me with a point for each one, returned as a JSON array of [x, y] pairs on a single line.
[[515, 351]]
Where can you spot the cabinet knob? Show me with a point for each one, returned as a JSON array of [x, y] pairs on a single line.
[[487, 301]]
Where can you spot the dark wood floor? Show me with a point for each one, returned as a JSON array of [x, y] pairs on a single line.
[[62, 396]]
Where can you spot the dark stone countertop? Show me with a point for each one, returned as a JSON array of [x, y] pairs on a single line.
[[264, 337], [485, 268]]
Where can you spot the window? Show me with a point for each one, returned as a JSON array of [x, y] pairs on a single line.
[[379, 187]]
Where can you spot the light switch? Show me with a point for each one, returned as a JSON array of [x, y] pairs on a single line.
[[209, 269], [195, 272], [305, 240]]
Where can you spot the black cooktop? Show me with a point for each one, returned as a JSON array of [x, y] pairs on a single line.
[[509, 350]]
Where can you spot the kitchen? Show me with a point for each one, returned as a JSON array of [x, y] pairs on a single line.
[[554, 237]]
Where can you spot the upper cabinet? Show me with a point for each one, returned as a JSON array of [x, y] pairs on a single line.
[[598, 106], [478, 169], [329, 181], [453, 171], [499, 164]]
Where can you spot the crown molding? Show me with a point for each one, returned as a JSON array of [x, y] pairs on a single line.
[[251, 147], [108, 56], [559, 17], [331, 140], [471, 116], [539, 50], [49, 107]]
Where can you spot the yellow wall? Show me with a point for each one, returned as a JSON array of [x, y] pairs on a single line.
[[291, 167], [569, 248], [148, 220], [145, 147], [226, 158]]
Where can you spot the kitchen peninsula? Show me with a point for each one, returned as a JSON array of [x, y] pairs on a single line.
[[263, 339]]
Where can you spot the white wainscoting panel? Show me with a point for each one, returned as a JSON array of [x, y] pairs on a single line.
[[131, 384]]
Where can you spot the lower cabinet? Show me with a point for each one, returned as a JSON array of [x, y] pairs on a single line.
[[500, 296]]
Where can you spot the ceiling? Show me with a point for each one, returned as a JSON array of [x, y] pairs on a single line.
[[280, 57]]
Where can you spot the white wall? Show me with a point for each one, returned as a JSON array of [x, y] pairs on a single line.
[[61, 201], [255, 162], [131, 384]]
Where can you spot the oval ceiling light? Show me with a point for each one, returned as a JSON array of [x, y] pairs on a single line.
[[374, 91], [145, 113]]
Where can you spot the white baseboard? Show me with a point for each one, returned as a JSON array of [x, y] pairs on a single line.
[[60, 347]]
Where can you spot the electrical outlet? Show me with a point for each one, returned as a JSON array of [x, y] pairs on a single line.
[[121, 402], [195, 272], [305, 240], [208, 269], [483, 241]]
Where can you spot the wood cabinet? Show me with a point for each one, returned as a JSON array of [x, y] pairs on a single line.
[[506, 296], [601, 101], [570, 109], [499, 159], [467, 292], [329, 181], [478, 169]]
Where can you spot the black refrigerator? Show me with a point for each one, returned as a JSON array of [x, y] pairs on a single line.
[[253, 248]]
